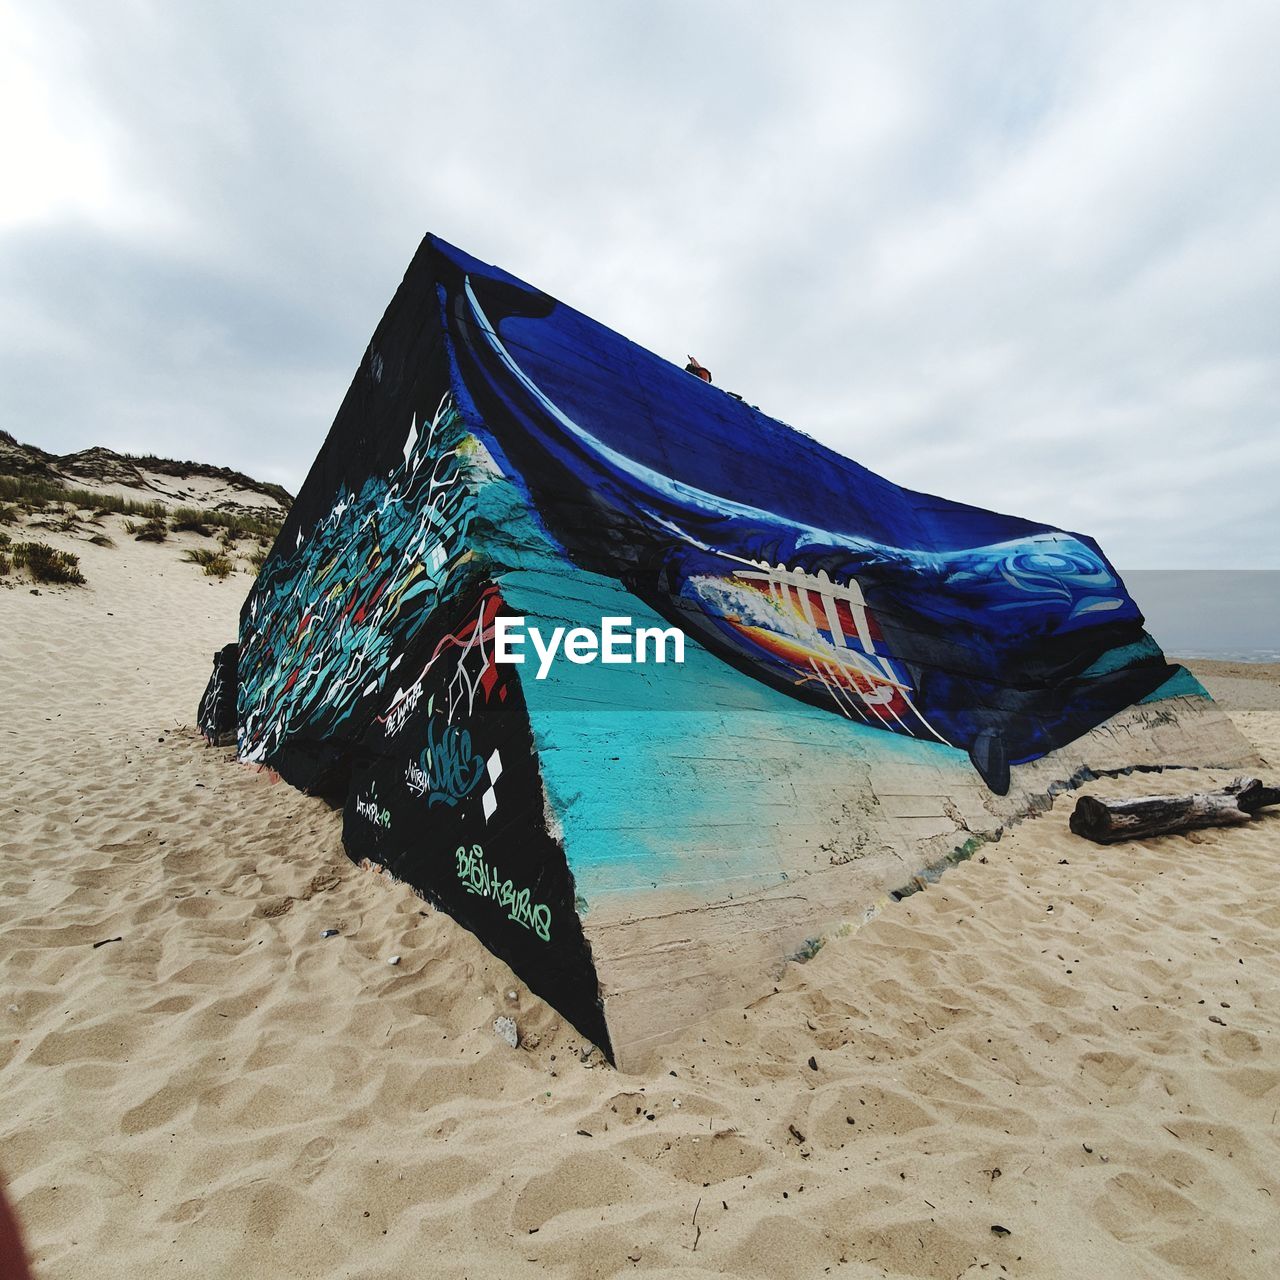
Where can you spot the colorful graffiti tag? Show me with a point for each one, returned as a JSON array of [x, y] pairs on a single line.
[[447, 770], [332, 617], [479, 877]]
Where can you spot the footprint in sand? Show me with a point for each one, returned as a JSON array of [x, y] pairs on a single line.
[[584, 1180], [187, 1211], [322, 883], [313, 1158], [701, 1159], [1240, 1044]]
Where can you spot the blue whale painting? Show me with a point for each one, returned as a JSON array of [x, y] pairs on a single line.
[[912, 614]]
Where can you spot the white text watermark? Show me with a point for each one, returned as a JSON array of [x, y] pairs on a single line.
[[615, 643]]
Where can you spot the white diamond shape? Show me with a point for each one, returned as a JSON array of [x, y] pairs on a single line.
[[495, 766], [489, 802]]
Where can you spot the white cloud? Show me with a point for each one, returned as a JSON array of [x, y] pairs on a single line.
[[1025, 256]]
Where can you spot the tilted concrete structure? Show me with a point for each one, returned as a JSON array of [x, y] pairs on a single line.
[[874, 680]]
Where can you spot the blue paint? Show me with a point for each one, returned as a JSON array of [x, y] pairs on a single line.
[[915, 615]]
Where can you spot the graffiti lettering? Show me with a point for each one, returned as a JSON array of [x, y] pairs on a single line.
[[371, 811], [403, 709], [480, 878], [448, 769]]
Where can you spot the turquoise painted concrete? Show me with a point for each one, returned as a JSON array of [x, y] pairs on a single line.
[[1181, 685], [673, 776]]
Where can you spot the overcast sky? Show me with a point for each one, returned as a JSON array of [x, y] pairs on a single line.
[[1023, 255]]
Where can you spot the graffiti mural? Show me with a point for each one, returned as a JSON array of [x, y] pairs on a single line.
[[333, 617], [908, 613], [366, 669], [500, 454], [216, 715], [446, 794]]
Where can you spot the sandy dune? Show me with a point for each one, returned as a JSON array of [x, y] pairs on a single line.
[[1077, 1045]]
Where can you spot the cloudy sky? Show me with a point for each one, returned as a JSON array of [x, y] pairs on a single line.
[[1027, 256]]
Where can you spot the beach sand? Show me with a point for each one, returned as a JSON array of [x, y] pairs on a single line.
[[1074, 1044]]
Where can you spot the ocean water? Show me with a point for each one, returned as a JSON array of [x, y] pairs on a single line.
[[1229, 614]]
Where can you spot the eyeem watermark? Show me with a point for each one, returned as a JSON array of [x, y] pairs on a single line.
[[615, 643]]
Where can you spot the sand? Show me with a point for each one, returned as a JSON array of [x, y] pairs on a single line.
[[1077, 1045]]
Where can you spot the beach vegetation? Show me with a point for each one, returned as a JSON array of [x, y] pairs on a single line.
[[233, 522], [45, 564], [153, 530], [58, 522], [190, 520], [35, 493], [172, 467], [214, 563]]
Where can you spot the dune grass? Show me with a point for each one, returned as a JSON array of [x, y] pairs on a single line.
[[57, 504], [34, 493], [153, 530], [214, 563], [232, 522], [58, 521], [172, 467], [191, 522], [45, 564]]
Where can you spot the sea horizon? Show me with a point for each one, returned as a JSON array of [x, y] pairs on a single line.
[[1224, 615]]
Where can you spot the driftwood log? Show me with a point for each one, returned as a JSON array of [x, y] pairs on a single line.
[[1106, 821]]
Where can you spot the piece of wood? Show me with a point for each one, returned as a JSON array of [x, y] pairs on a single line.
[[1107, 821]]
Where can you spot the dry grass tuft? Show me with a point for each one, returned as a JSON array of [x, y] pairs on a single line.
[[154, 530], [45, 564], [214, 563]]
